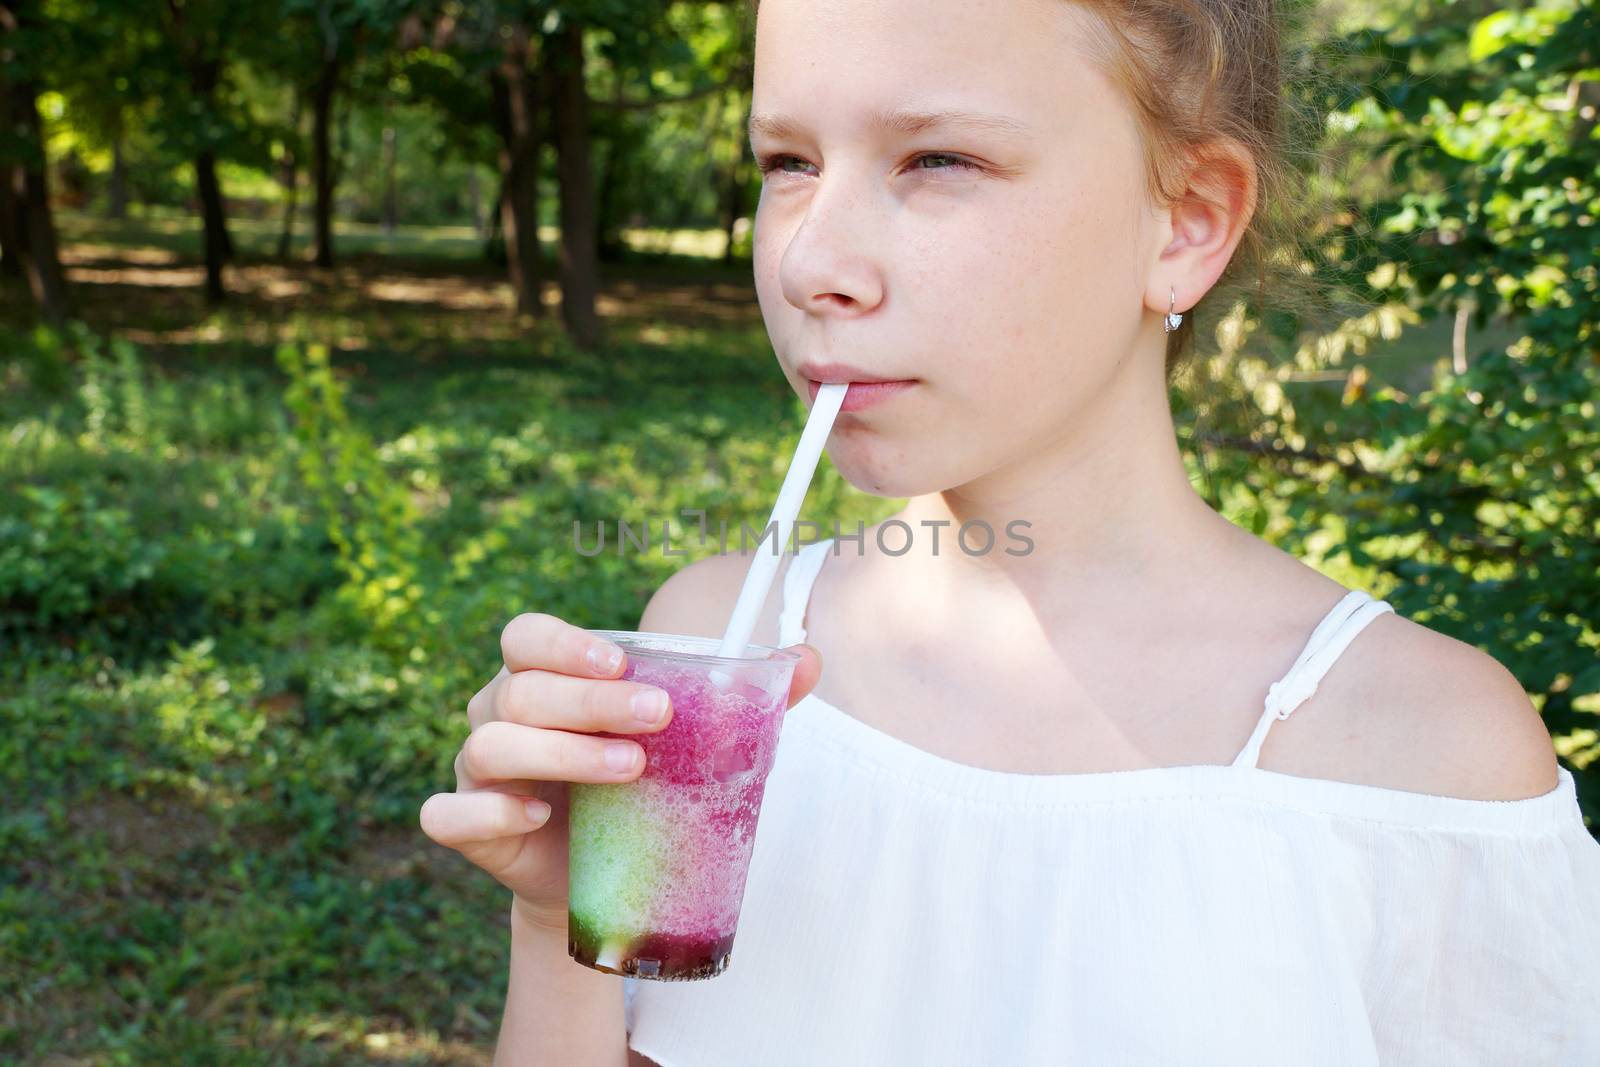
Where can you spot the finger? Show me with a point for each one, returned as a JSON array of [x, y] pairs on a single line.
[[480, 709], [539, 789], [500, 750], [562, 702], [534, 639], [456, 819], [806, 673]]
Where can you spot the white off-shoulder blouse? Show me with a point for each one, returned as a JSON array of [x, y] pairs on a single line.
[[903, 908]]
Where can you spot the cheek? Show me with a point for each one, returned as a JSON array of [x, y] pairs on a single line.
[[992, 286], [1056, 278], [769, 237], [1030, 317], [764, 261]]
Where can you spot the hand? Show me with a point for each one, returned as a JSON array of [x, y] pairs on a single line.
[[527, 740]]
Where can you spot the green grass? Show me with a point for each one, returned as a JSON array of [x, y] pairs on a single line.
[[215, 759]]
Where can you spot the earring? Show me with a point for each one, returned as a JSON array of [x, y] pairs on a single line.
[[1174, 319]]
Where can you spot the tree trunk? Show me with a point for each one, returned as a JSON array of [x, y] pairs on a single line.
[[203, 65], [579, 260], [609, 228], [41, 263], [216, 224], [494, 244], [390, 197], [618, 146], [1583, 99], [516, 110], [10, 215], [321, 157], [289, 178], [117, 193], [203, 77], [475, 201], [11, 252], [732, 204], [30, 235]]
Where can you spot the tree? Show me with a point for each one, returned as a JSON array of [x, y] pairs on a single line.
[[517, 108], [198, 36], [569, 100], [1476, 196], [27, 228], [337, 31]]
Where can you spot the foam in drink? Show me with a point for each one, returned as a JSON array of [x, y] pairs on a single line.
[[657, 865]]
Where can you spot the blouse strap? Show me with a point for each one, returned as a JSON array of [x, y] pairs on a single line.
[[797, 582], [1327, 642]]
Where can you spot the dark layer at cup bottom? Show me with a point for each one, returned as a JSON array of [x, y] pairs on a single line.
[[662, 957]]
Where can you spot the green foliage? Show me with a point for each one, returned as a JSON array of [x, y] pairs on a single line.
[[369, 518], [247, 598], [1476, 501], [1472, 194], [74, 556], [116, 534]]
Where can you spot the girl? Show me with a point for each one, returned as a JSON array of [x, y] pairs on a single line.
[[1047, 803]]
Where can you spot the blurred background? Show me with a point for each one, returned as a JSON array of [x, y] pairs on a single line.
[[322, 321]]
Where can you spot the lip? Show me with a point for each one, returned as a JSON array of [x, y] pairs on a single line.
[[866, 388], [863, 394], [842, 372]]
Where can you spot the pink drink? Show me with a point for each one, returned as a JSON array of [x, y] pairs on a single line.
[[656, 866]]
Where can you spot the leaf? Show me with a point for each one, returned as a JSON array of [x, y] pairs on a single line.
[[1491, 34]]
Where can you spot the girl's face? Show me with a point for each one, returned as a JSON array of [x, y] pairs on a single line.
[[999, 255]]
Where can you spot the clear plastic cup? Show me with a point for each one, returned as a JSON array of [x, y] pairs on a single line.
[[657, 866]]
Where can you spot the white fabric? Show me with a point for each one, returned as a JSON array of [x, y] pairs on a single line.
[[903, 908]]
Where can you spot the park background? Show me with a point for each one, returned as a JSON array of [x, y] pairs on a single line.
[[321, 321]]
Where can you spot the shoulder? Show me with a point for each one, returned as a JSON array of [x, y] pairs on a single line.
[[1490, 741], [699, 597], [1425, 712]]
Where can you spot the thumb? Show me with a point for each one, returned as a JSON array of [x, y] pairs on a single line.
[[806, 672]]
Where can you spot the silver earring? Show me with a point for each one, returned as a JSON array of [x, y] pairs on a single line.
[[1174, 319]]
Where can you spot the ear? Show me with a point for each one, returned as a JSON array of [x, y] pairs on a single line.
[[1204, 226]]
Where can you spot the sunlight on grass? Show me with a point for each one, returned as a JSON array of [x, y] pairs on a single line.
[[354, 1038], [172, 232]]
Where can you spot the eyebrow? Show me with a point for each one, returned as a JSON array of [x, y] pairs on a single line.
[[901, 120]]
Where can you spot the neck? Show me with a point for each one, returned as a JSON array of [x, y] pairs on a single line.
[[1110, 510]]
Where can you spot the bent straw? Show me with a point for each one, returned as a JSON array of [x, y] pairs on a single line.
[[758, 579]]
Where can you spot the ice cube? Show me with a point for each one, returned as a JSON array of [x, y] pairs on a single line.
[[732, 762]]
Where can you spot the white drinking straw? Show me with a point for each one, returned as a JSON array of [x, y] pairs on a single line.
[[764, 567]]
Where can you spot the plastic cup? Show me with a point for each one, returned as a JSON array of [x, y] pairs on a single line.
[[657, 866]]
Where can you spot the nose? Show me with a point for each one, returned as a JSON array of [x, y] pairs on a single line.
[[828, 267]]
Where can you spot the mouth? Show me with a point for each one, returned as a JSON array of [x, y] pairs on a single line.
[[863, 394], [866, 389]]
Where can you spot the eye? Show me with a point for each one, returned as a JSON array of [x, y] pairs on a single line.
[[775, 162], [768, 164], [959, 163]]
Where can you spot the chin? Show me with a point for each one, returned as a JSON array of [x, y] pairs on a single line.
[[888, 470]]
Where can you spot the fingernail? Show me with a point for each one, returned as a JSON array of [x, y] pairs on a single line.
[[650, 706], [538, 811], [605, 658], [620, 757]]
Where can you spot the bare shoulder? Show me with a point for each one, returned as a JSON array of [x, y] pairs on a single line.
[[698, 598], [1407, 707], [1487, 738]]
